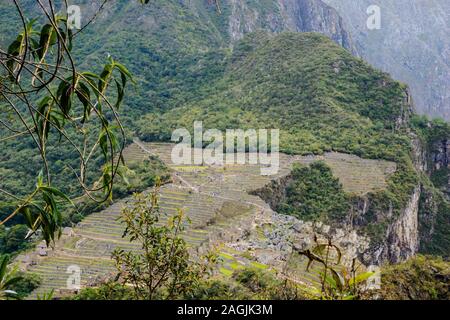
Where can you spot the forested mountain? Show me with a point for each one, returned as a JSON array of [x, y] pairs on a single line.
[[174, 49], [287, 64], [323, 99], [170, 46]]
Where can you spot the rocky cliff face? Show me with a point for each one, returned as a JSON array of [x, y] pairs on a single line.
[[399, 241], [315, 15], [412, 44], [288, 15], [434, 211], [440, 154]]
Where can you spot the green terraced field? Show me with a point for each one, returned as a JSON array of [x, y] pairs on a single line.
[[214, 198]]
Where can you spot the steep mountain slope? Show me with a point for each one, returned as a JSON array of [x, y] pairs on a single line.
[[328, 104], [174, 49], [412, 44], [286, 15], [382, 222], [322, 99]]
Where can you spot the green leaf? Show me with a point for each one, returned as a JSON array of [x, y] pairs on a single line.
[[337, 279], [40, 179], [64, 95], [84, 95], [361, 278], [124, 71], [56, 192]]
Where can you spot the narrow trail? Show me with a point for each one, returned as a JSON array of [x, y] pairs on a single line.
[[140, 145]]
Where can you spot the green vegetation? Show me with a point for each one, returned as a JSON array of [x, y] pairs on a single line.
[[8, 278], [322, 98], [434, 221], [12, 240], [247, 284], [163, 268], [430, 131], [106, 291], [26, 284], [421, 278], [139, 177], [315, 194]]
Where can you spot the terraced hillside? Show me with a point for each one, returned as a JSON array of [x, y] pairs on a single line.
[[217, 201]]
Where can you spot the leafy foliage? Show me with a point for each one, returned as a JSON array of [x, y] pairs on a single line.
[[315, 194], [320, 97], [434, 221], [420, 278], [430, 130], [12, 240], [162, 270], [47, 100], [247, 284], [8, 277], [27, 283], [106, 291], [337, 283]]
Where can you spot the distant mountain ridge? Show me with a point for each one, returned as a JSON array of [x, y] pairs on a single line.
[[288, 15], [413, 45]]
